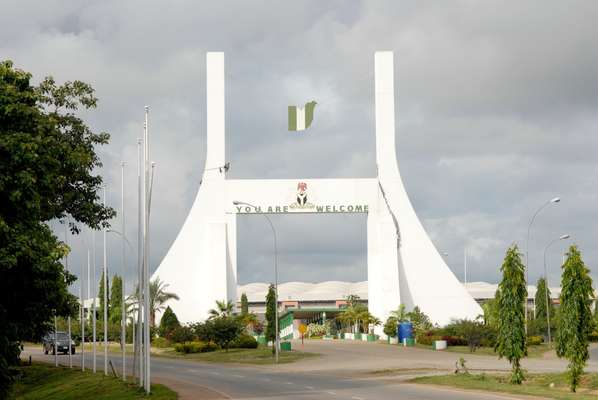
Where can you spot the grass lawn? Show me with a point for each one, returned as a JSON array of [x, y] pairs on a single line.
[[532, 351], [261, 355], [44, 381], [535, 385]]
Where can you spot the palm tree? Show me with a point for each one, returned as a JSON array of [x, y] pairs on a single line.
[[223, 309], [157, 300]]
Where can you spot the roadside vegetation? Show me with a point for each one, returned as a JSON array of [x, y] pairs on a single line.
[[551, 386], [48, 175], [46, 382], [502, 332]]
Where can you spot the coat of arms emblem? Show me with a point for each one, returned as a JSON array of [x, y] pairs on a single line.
[[302, 193]]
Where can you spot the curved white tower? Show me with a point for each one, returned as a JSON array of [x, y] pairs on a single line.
[[403, 264]]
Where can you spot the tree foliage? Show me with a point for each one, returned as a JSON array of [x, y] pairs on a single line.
[[101, 296], [115, 302], [271, 315], [390, 326], [511, 340], [47, 159], [575, 323], [244, 304], [490, 309], [224, 308], [168, 323], [540, 300]]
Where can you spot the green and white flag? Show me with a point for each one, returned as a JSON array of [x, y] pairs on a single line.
[[300, 118]]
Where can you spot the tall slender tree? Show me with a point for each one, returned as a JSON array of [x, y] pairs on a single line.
[[244, 305], [540, 299], [115, 305], [575, 322], [511, 341], [101, 295], [271, 316]]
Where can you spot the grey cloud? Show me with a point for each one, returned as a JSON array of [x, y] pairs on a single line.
[[495, 114]]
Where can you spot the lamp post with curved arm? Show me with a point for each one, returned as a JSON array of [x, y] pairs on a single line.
[[277, 339], [563, 237], [529, 227]]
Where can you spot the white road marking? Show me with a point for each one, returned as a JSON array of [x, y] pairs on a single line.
[[289, 383], [238, 376], [357, 398], [265, 379], [309, 387], [214, 373], [192, 370], [332, 393]]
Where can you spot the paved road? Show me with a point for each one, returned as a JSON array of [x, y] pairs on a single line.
[[256, 382]]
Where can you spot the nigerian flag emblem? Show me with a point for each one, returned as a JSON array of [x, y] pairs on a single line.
[[300, 118]]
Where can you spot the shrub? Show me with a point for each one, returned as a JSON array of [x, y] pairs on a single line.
[[244, 341], [534, 340], [593, 337], [181, 334], [390, 327], [195, 347], [160, 342], [316, 330], [454, 340], [168, 323], [428, 339], [220, 330]]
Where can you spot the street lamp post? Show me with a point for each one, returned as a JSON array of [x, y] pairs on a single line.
[[563, 237], [277, 339], [529, 227]]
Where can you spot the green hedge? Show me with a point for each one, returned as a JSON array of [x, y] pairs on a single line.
[[195, 347], [244, 341], [535, 340]]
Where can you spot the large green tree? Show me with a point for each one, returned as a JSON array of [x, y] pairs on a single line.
[[168, 323], [47, 160], [511, 341], [575, 322]]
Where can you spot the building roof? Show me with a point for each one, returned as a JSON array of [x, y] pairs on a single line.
[[305, 291], [337, 290]]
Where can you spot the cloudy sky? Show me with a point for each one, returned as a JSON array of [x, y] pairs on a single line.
[[496, 113]]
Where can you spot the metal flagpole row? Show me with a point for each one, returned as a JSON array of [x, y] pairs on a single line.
[[66, 265]]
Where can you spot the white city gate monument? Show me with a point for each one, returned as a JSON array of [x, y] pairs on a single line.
[[403, 266]]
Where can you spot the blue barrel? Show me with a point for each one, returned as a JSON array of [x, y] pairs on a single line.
[[405, 331]]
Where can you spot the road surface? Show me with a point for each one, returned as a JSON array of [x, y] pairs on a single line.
[[195, 380]]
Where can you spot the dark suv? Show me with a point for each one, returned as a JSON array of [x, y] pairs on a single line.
[[62, 343]]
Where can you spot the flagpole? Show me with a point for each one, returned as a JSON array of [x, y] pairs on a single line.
[[82, 312], [146, 256], [66, 265], [105, 308], [95, 295], [123, 320], [139, 263]]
